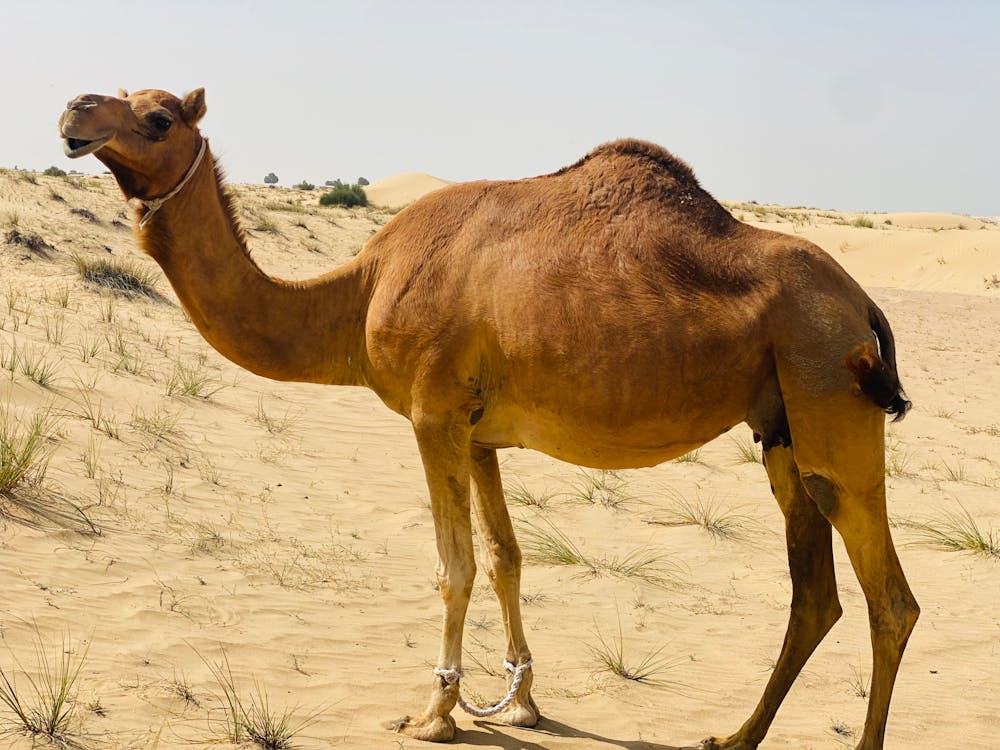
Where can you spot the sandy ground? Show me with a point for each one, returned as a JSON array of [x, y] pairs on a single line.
[[285, 528]]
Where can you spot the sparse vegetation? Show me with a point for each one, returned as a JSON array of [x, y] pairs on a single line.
[[251, 720], [863, 222], [44, 706], [31, 241], [85, 214], [24, 449], [708, 515], [119, 275], [192, 380], [747, 451], [610, 655], [515, 493], [603, 487], [552, 547], [957, 531]]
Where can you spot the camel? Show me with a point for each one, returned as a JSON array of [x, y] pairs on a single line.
[[611, 314]]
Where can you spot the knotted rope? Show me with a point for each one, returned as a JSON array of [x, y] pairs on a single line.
[[452, 676]]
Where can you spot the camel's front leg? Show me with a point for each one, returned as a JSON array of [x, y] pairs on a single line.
[[444, 449], [502, 557]]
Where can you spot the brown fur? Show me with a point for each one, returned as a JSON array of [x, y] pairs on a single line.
[[611, 314]]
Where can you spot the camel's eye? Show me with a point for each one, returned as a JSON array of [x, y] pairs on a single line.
[[161, 122]]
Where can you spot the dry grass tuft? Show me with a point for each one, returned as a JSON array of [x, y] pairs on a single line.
[[610, 656], [552, 547], [603, 487], [957, 531], [251, 720], [46, 707], [709, 515], [124, 275]]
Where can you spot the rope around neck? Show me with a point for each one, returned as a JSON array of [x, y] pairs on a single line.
[[153, 204], [452, 676]]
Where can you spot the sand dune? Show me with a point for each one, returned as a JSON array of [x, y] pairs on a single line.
[[285, 527], [402, 189]]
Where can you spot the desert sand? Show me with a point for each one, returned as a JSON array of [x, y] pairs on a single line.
[[284, 528], [399, 190]]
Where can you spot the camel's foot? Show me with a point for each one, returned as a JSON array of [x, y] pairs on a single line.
[[427, 728], [733, 742], [519, 714]]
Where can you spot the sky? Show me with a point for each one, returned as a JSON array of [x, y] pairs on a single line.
[[857, 106]]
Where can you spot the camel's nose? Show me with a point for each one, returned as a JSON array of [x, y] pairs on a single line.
[[84, 101]]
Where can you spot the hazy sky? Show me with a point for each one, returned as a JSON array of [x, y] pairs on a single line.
[[856, 106]]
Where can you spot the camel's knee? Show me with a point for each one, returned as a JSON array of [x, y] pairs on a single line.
[[503, 561], [822, 491], [897, 615], [455, 579]]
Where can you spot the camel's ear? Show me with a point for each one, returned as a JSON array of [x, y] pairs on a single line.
[[193, 107], [122, 94]]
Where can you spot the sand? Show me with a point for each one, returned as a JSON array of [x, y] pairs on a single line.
[[285, 527], [402, 189]]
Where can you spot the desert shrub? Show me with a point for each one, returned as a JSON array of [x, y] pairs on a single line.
[[344, 195], [304, 186], [54, 172], [123, 275]]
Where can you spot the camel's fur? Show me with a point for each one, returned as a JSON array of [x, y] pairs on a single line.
[[611, 314]]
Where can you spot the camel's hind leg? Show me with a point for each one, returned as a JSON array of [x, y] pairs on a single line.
[[840, 451], [503, 565], [815, 606]]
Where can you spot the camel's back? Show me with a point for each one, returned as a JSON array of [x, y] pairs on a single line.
[[628, 211]]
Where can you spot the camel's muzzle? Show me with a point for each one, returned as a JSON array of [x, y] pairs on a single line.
[[74, 148]]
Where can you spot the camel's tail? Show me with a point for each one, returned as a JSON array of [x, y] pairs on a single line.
[[875, 370]]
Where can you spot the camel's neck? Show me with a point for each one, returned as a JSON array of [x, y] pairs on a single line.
[[309, 331]]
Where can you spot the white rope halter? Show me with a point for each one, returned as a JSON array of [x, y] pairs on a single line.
[[452, 676], [153, 204]]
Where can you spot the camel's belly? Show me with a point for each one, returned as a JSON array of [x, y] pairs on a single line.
[[597, 443]]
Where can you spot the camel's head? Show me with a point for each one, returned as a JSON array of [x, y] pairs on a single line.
[[147, 139]]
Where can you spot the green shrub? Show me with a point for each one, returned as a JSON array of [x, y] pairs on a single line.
[[304, 186], [54, 172], [344, 195]]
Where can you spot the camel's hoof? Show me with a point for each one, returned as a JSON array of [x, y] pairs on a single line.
[[433, 729], [518, 716]]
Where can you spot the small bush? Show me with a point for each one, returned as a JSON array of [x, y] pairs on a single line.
[[30, 240], [85, 214], [345, 195], [54, 172], [863, 222], [304, 186], [124, 275]]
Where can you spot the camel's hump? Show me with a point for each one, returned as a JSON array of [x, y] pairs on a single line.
[[658, 157]]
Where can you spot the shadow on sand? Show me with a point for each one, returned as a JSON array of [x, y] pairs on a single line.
[[501, 736]]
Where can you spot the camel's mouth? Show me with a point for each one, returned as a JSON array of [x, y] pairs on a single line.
[[74, 148]]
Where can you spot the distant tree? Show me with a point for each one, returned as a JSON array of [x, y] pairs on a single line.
[[344, 195], [304, 186], [362, 181], [54, 172], [334, 183], [271, 179]]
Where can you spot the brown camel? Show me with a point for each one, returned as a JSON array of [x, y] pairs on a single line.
[[611, 314]]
